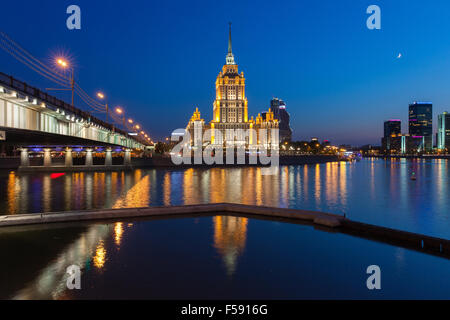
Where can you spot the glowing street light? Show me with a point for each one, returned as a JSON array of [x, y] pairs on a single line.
[[65, 64], [62, 63], [119, 110], [102, 96]]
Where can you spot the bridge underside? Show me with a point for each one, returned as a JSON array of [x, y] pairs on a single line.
[[27, 138]]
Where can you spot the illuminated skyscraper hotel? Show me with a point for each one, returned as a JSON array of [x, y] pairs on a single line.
[[230, 111]]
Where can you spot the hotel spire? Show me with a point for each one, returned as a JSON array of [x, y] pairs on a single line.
[[230, 57]]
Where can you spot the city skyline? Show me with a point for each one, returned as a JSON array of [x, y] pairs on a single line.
[[219, 157], [297, 60]]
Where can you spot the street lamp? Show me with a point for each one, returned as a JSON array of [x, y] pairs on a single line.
[[65, 64], [102, 96], [120, 111]]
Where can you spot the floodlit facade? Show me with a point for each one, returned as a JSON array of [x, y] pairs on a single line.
[[231, 124]]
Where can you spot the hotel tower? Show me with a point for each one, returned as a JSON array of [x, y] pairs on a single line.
[[230, 111]]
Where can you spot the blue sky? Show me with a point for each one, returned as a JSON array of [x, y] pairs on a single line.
[[159, 59]]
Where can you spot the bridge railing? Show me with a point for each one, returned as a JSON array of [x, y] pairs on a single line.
[[24, 88]]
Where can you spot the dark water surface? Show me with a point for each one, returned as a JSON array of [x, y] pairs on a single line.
[[209, 258], [373, 191]]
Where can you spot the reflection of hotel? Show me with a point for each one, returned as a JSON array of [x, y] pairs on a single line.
[[231, 112], [230, 236]]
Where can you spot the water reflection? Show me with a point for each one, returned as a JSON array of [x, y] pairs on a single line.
[[51, 281], [373, 191], [100, 255], [284, 255], [93, 248], [230, 235], [118, 232], [135, 196]]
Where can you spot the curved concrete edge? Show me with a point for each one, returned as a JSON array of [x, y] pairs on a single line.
[[324, 221], [319, 218]]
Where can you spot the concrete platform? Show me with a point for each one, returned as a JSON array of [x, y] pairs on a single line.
[[320, 220]]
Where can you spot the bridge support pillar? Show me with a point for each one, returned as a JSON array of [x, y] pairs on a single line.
[[127, 158], [68, 159], [47, 157], [108, 157], [89, 161], [24, 159]]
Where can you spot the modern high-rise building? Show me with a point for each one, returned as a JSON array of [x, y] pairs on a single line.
[[421, 122], [406, 144], [443, 133], [391, 128], [278, 107], [230, 112]]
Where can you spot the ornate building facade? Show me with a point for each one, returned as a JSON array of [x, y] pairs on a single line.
[[231, 123]]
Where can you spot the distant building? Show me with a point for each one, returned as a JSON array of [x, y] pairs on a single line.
[[407, 144], [443, 133], [195, 129], [326, 143], [421, 122], [391, 127], [278, 107], [345, 147]]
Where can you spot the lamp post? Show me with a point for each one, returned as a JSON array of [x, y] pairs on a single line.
[[120, 112], [65, 64], [102, 96]]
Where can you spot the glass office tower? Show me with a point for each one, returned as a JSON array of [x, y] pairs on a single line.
[[421, 122], [391, 128], [443, 133]]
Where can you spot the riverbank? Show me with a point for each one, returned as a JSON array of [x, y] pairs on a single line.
[[13, 163], [445, 157], [326, 221]]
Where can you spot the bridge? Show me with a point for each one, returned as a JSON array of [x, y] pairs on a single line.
[[35, 122]]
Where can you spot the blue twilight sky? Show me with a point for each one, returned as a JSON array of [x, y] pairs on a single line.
[[159, 59]]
